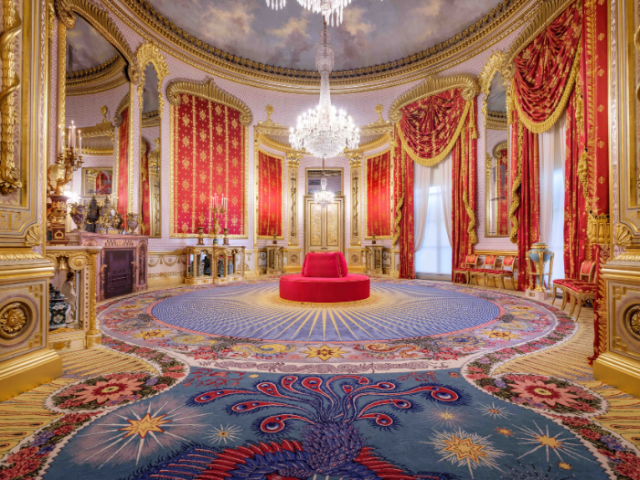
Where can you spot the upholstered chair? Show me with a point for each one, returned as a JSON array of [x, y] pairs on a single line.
[[578, 290], [507, 270], [470, 262]]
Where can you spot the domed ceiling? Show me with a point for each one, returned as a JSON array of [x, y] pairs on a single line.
[[86, 47], [373, 32]]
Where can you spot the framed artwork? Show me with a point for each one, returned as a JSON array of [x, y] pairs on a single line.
[[97, 181]]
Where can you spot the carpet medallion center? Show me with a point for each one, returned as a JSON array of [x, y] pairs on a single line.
[[392, 312]]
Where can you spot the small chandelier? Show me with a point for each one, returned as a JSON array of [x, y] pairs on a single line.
[[331, 10], [324, 132], [324, 197]]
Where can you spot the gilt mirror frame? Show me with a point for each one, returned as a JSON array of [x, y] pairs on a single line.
[[66, 11], [492, 68], [149, 54]]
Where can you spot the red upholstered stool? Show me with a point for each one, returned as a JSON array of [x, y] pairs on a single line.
[[324, 279]]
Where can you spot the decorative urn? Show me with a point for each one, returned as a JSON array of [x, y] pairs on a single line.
[[78, 214], [541, 259], [132, 222], [58, 308]]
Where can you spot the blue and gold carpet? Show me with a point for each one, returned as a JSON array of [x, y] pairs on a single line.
[[232, 383]]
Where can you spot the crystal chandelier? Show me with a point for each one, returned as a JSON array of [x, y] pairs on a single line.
[[324, 132], [324, 197], [331, 10]]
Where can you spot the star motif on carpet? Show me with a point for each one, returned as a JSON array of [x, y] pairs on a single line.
[[324, 353]]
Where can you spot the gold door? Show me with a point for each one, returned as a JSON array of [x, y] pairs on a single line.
[[324, 226]]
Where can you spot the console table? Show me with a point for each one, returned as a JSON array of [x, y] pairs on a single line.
[[373, 259], [122, 266], [215, 264]]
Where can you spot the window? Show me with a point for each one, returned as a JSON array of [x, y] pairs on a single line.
[[435, 254], [556, 243]]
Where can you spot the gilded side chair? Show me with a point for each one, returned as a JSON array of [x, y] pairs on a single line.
[[470, 262], [507, 269], [578, 290], [488, 266]]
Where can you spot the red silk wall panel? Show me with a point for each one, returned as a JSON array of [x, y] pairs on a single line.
[[145, 191], [503, 192], [208, 157], [269, 174], [123, 164], [379, 172]]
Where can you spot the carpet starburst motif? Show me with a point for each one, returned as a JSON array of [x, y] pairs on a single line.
[[466, 449], [559, 444], [145, 425], [324, 353]]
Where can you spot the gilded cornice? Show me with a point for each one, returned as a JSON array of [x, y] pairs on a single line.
[[501, 146], [92, 89], [151, 119], [432, 86], [108, 69], [496, 120], [547, 13], [103, 129], [495, 26], [97, 152], [99, 19], [209, 91]]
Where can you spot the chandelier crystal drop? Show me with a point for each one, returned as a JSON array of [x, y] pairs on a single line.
[[331, 10], [323, 131]]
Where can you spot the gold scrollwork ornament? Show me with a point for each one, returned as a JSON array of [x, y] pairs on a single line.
[[14, 319], [632, 321]]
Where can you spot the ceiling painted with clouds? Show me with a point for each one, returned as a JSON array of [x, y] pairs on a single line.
[[86, 47], [373, 32]]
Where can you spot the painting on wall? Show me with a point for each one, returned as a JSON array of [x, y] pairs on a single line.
[[97, 181]]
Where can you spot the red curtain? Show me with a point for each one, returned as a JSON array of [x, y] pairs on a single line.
[[208, 158], [502, 191], [145, 191], [465, 178], [379, 206], [404, 221], [123, 164], [525, 168], [269, 195], [575, 203], [546, 70], [593, 72], [430, 126]]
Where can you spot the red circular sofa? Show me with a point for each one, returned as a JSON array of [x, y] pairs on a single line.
[[324, 279]]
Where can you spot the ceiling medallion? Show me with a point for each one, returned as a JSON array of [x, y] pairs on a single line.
[[324, 132], [331, 10]]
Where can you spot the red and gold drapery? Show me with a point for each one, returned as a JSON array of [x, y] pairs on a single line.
[[502, 191], [430, 126], [595, 81], [525, 178], [208, 157], [403, 201], [145, 190], [546, 70], [465, 195], [379, 173], [123, 164], [545, 74], [270, 200]]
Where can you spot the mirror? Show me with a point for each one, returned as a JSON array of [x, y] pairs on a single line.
[[497, 180], [334, 180], [95, 84], [150, 158]]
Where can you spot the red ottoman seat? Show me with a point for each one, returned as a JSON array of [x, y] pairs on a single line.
[[324, 279]]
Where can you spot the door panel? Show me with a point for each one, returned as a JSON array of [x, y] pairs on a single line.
[[324, 227]]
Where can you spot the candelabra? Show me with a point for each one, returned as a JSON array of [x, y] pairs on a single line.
[[219, 209]]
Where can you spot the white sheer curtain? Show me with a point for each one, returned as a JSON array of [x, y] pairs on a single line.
[[552, 146], [432, 213]]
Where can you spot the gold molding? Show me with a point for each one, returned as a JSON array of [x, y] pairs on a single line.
[[99, 19], [103, 129], [495, 120], [431, 86], [154, 23], [209, 91], [97, 152], [93, 89], [9, 175], [494, 65], [500, 146], [124, 103], [547, 12], [148, 53]]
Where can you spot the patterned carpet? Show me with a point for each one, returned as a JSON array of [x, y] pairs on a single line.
[[507, 395]]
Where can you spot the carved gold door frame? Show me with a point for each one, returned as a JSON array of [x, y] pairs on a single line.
[[324, 227]]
